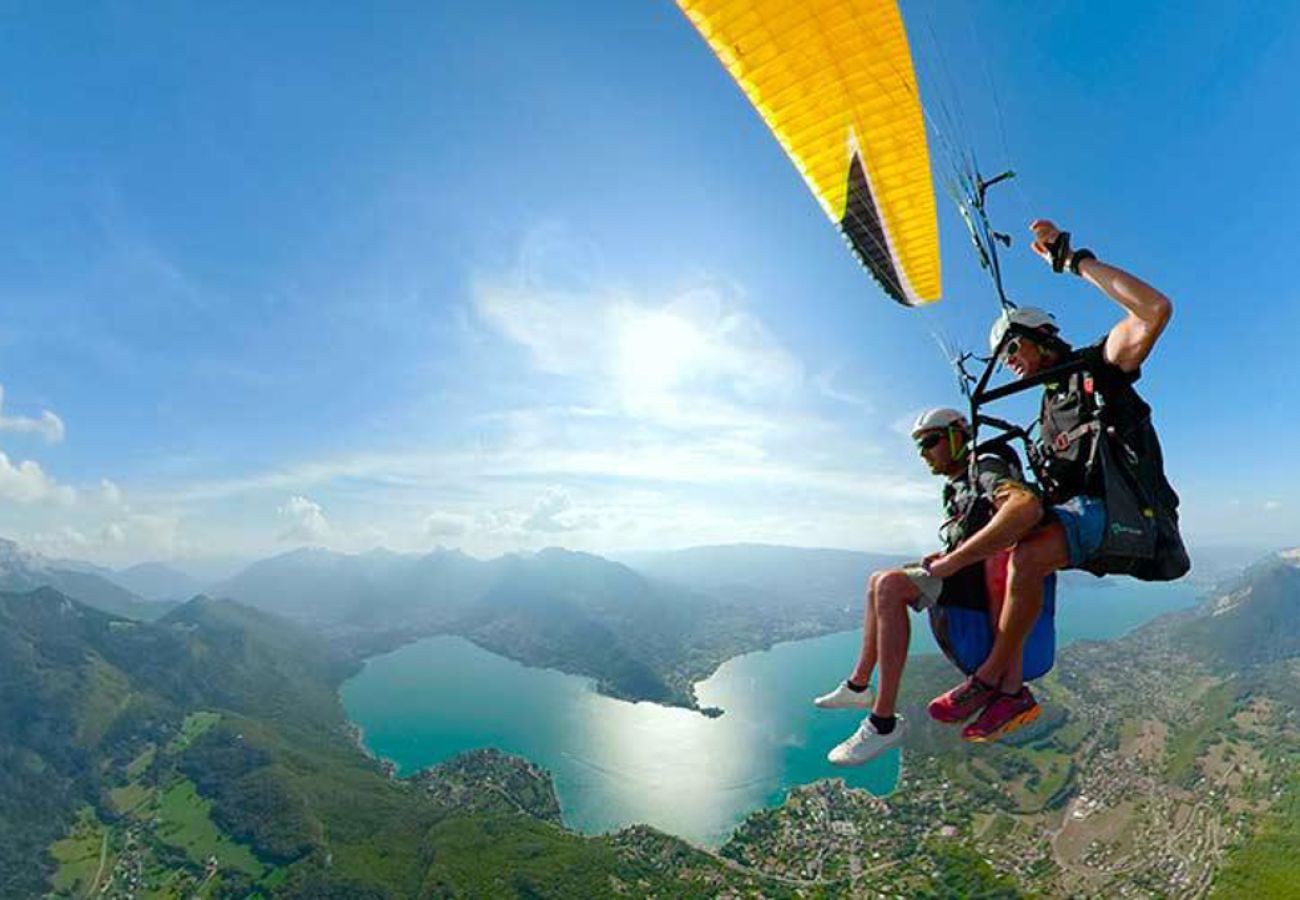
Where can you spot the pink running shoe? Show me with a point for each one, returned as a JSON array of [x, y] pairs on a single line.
[[1004, 715], [962, 702]]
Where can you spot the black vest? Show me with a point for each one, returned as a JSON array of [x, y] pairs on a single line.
[[966, 502], [1096, 439], [1071, 417]]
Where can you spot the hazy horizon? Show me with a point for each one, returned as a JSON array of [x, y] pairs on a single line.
[[497, 286]]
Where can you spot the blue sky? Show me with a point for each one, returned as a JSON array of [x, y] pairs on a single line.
[[506, 275]]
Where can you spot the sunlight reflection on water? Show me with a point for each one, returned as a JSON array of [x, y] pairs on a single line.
[[618, 763]]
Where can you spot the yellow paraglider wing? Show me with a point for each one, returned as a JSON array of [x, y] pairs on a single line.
[[833, 79]]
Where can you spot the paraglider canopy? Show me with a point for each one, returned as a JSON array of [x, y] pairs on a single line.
[[834, 81]]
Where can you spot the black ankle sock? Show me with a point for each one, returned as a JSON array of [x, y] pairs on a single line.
[[883, 724], [857, 688]]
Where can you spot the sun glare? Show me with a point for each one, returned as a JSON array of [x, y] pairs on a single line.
[[657, 352]]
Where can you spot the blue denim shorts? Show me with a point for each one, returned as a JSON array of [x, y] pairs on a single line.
[[1084, 520]]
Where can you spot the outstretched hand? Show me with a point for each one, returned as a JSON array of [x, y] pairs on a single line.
[[1045, 235]]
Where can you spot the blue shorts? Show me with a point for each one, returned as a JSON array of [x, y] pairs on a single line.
[[1084, 520]]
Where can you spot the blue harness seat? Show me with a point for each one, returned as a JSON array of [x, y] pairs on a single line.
[[965, 635]]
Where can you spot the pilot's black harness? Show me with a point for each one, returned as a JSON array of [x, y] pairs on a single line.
[[1141, 537]]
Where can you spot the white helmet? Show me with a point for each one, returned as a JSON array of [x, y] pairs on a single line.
[[941, 417], [1025, 317]]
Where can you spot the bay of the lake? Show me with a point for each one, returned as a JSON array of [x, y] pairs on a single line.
[[618, 763]]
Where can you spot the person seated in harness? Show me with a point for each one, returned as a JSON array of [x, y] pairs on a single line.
[[989, 498], [1098, 462]]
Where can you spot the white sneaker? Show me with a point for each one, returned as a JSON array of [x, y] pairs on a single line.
[[844, 697], [866, 744]]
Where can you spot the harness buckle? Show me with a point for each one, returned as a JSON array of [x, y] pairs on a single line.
[[1062, 441]]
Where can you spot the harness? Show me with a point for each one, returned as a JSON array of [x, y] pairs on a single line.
[[1123, 465], [1065, 456], [1105, 450], [968, 508]]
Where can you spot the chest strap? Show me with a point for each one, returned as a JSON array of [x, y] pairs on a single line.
[[1062, 441]]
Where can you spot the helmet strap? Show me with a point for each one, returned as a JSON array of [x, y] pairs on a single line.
[[954, 451]]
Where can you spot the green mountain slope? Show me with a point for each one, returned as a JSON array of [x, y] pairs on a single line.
[[640, 638], [208, 753], [22, 570]]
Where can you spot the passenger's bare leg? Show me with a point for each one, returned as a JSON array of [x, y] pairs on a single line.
[[1033, 559], [867, 658], [1012, 681], [894, 594]]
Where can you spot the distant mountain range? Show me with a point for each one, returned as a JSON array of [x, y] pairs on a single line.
[[217, 730], [144, 591], [766, 573], [645, 630], [23, 570], [157, 582], [1255, 620], [644, 633]]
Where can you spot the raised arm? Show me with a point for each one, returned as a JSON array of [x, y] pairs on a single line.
[[1130, 341]]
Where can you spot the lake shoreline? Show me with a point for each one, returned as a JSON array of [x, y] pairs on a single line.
[[616, 763]]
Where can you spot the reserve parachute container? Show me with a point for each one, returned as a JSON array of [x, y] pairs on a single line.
[[833, 80]]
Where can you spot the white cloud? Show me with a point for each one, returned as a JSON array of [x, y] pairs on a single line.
[[444, 525], [47, 425], [147, 535], [657, 422], [26, 482], [699, 359], [111, 494], [563, 332], [825, 382], [698, 351], [128, 539], [306, 521], [1272, 505], [523, 524], [547, 512], [63, 541], [500, 525]]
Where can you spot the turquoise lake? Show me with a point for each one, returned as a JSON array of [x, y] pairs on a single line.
[[617, 763]]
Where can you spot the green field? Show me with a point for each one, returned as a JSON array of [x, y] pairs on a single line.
[[105, 694], [993, 827], [1265, 867], [1051, 772], [142, 762], [1186, 744], [78, 856], [128, 798], [1070, 735], [187, 825], [195, 724]]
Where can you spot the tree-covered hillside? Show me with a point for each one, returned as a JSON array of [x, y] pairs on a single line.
[[208, 754], [639, 637]]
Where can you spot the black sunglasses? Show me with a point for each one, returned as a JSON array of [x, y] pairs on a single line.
[[929, 440]]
